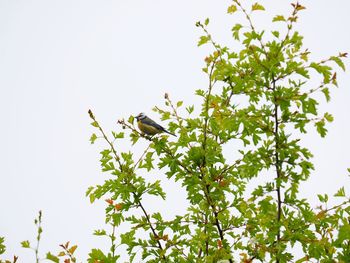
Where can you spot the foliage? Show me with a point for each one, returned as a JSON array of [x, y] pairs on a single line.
[[2, 246], [26, 243], [66, 253], [258, 102], [239, 156], [2, 251]]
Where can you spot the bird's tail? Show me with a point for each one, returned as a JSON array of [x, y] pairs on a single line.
[[170, 133]]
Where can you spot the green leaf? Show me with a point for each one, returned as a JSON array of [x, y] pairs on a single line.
[[166, 115], [89, 190], [52, 257], [95, 124], [179, 104], [305, 56], [157, 217], [155, 189], [200, 92], [278, 18], [256, 139], [159, 145], [231, 9], [276, 34], [92, 198], [93, 138], [320, 126], [339, 62], [134, 137], [309, 106], [2, 246], [325, 91], [128, 238], [323, 198], [328, 117], [206, 22], [344, 234], [97, 254], [257, 6], [131, 119], [235, 30], [303, 259], [148, 161], [190, 109], [196, 154], [25, 244], [119, 135], [203, 40], [100, 232], [340, 192], [302, 72], [324, 70]]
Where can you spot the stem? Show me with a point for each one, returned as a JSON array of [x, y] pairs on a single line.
[[38, 223], [68, 253], [251, 24], [217, 223], [116, 156], [205, 231], [278, 168], [112, 237], [179, 120], [141, 157], [216, 213], [206, 117], [206, 252], [156, 236], [206, 189]]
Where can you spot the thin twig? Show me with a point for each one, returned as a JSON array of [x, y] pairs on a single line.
[[156, 236], [206, 188], [251, 24], [116, 156], [141, 157], [179, 120], [278, 168], [38, 224]]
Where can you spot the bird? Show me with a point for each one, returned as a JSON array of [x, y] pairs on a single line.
[[149, 126]]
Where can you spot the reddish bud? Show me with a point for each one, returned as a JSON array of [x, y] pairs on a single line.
[[118, 206], [223, 183], [207, 59], [219, 244], [109, 201]]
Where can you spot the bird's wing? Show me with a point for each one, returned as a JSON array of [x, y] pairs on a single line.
[[151, 122]]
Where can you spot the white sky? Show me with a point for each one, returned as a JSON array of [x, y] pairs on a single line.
[[60, 58]]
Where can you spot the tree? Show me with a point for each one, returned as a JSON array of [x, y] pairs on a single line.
[[228, 220], [258, 103]]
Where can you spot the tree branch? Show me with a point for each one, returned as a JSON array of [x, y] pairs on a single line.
[[277, 166]]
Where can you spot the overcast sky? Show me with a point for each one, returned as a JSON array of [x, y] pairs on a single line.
[[60, 58]]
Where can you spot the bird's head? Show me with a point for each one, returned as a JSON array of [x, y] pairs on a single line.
[[140, 116]]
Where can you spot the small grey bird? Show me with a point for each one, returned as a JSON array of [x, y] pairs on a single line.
[[149, 126]]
